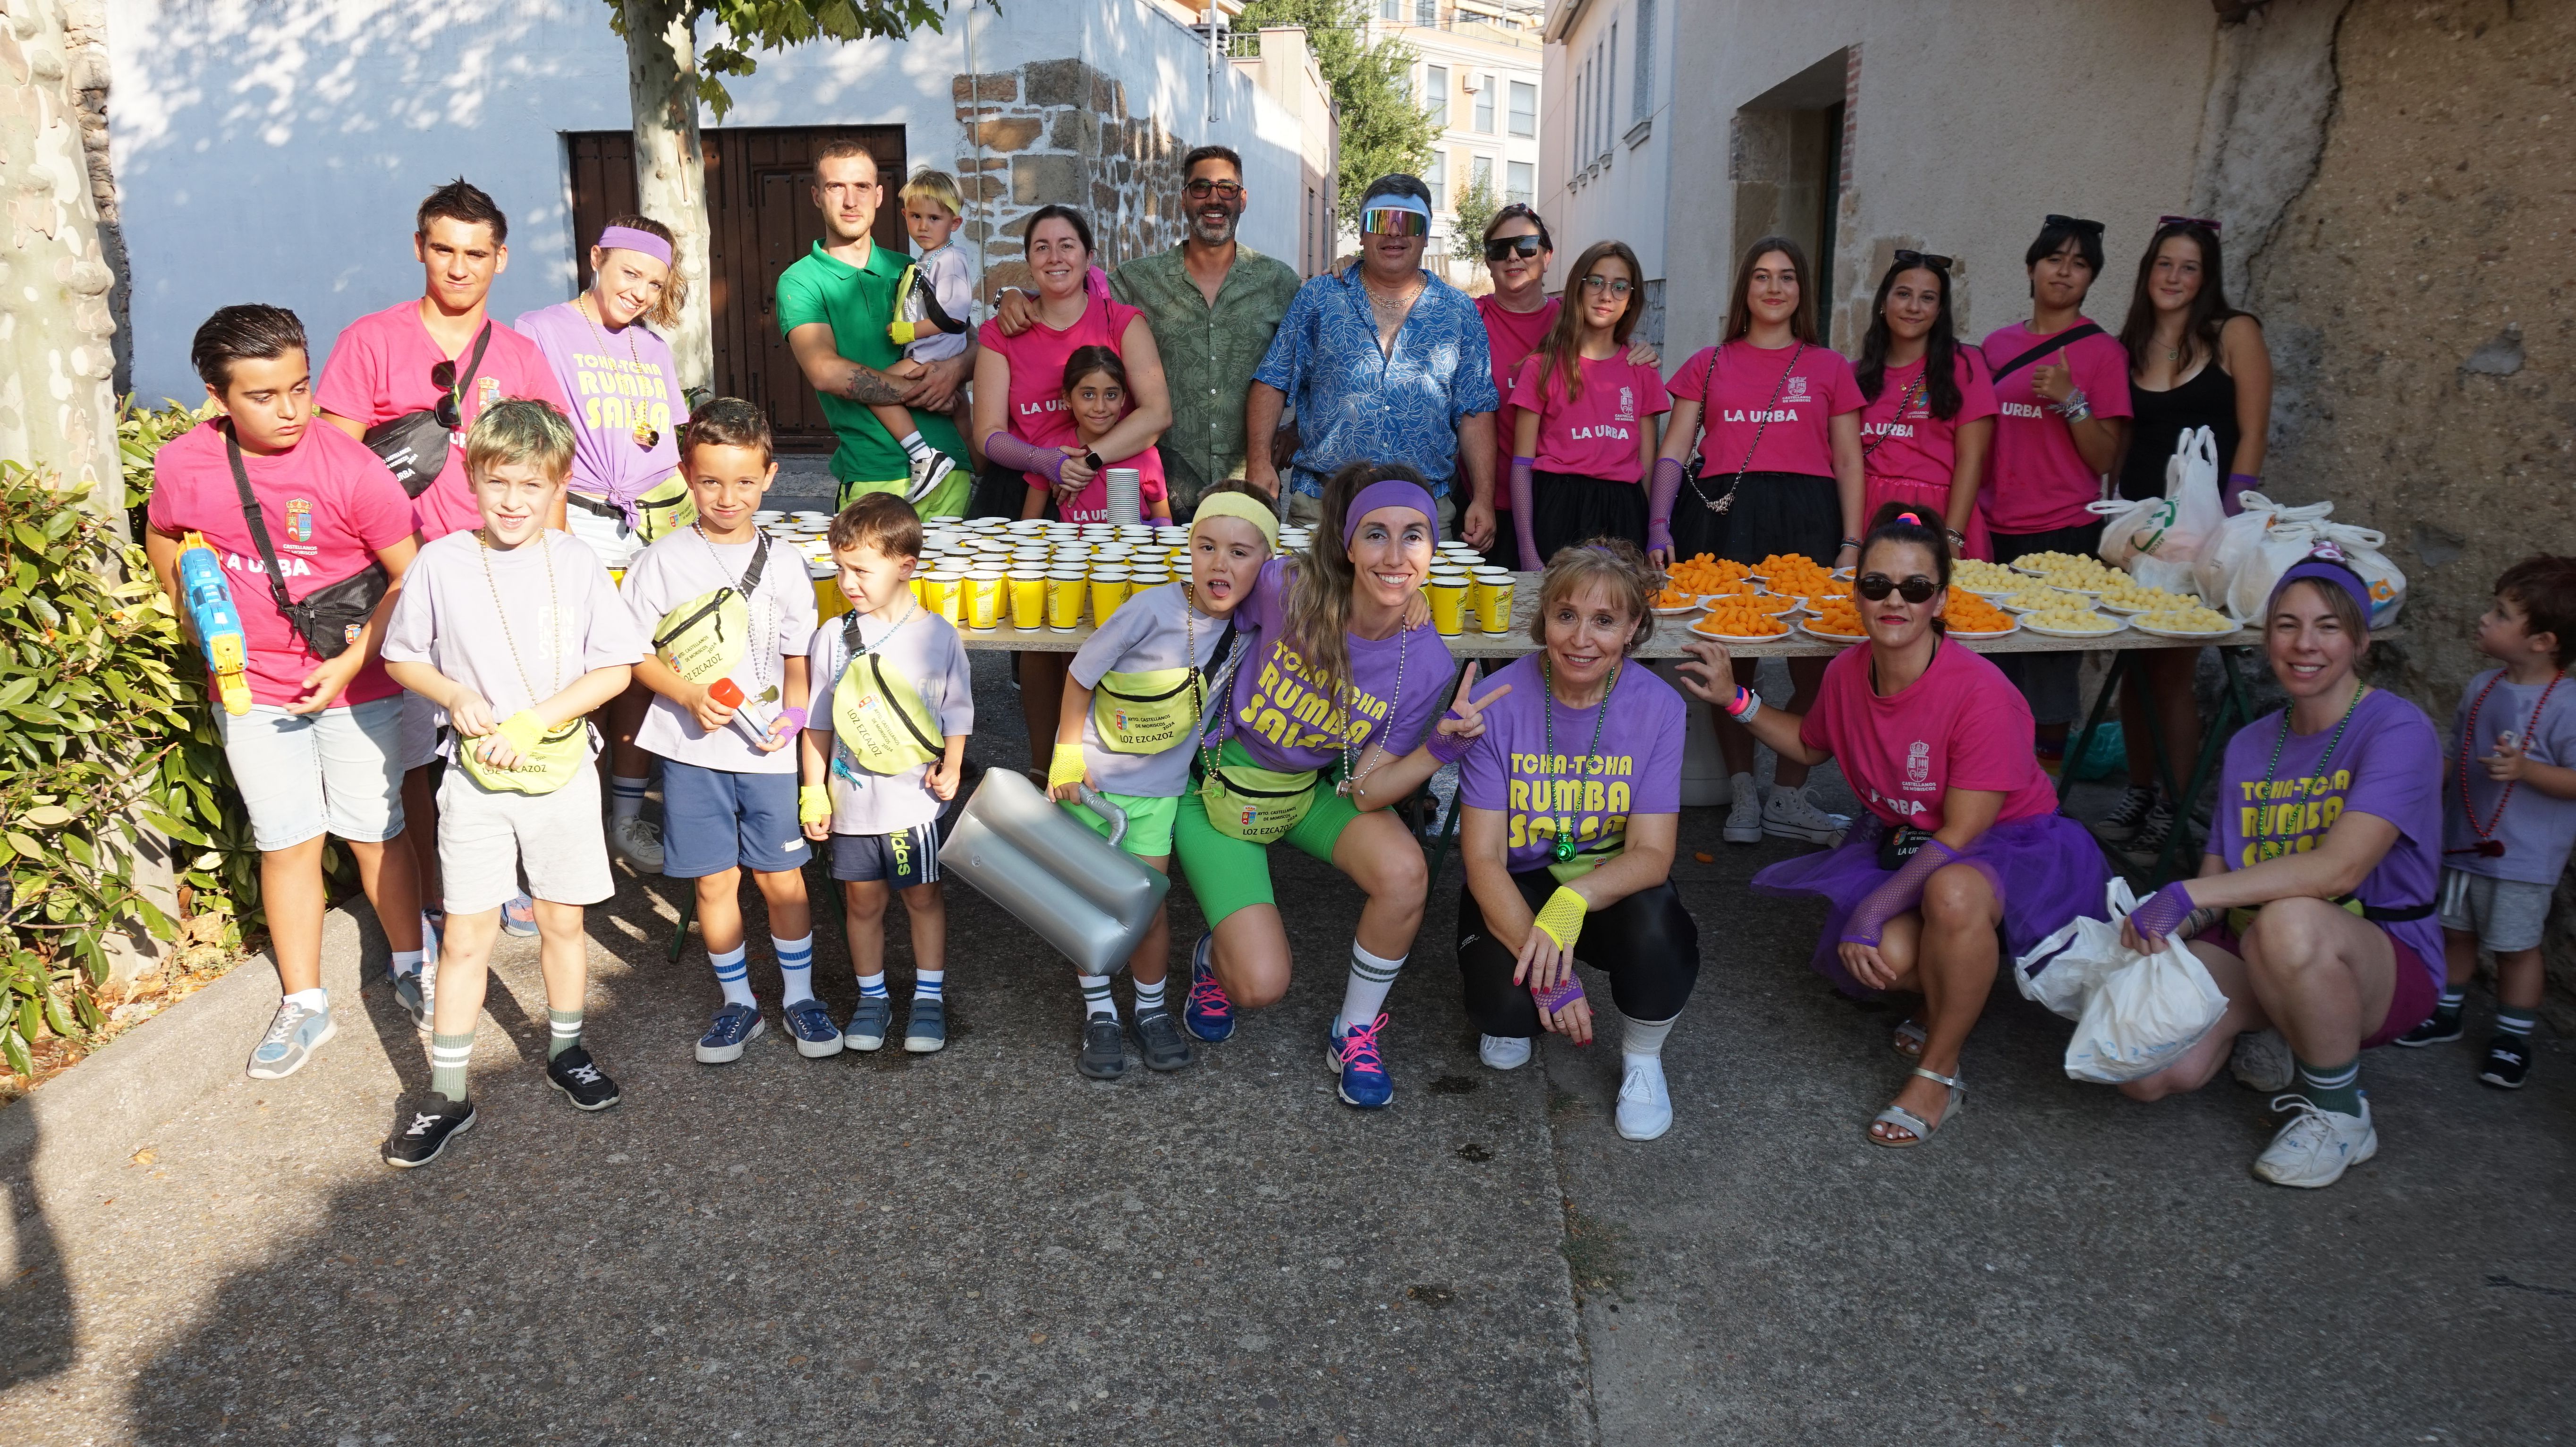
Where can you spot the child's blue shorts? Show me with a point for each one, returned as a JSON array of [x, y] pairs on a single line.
[[713, 820]]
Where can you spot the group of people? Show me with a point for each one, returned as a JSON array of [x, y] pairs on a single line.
[[489, 505]]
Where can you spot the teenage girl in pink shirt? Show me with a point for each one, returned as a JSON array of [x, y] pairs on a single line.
[[1584, 416], [1931, 412]]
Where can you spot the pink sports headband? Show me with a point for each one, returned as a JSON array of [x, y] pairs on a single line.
[[1383, 493], [627, 238]]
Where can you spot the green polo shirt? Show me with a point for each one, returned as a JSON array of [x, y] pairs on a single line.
[[858, 303], [1209, 354]]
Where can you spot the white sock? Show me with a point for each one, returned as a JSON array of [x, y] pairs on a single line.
[[872, 987], [626, 796], [1365, 995], [1644, 1039], [1096, 999], [316, 999], [1149, 998], [408, 962], [927, 984], [795, 967], [733, 975], [912, 444]]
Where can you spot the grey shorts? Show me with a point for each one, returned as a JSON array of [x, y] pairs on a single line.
[[2506, 915], [305, 775], [486, 836], [419, 732]]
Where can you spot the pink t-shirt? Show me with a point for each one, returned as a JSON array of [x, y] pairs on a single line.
[[329, 506], [1736, 383], [1510, 337], [2035, 479], [1091, 505], [1962, 725], [1596, 433], [379, 370], [1912, 443], [1037, 356]]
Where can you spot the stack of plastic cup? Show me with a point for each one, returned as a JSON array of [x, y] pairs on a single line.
[[983, 598], [1446, 591], [1109, 587], [939, 593], [1489, 592], [1125, 486], [1065, 588]]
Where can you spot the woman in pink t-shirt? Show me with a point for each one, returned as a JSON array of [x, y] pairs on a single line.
[[1583, 435], [1517, 315], [1779, 471], [1931, 412], [1020, 415], [1963, 834]]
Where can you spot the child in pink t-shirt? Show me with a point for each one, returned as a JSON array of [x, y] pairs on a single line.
[[1584, 429], [1095, 397]]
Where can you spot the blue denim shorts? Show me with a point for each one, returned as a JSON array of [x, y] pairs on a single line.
[[336, 772], [714, 820]]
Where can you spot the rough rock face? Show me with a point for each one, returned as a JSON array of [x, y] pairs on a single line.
[[57, 409], [1058, 132]]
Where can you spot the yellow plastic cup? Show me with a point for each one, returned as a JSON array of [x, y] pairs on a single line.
[[1490, 594], [939, 590], [1028, 599], [1064, 595], [1447, 592], [984, 598], [828, 602], [1109, 588]]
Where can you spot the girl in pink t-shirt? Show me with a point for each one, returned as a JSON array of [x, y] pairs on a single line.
[[1095, 397], [1584, 415], [1963, 833], [1931, 412]]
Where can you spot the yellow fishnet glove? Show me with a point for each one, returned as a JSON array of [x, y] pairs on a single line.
[[813, 804], [521, 731], [1066, 766], [1561, 918]]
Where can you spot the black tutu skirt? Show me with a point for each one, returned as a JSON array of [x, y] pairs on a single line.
[[1567, 508], [1773, 512]]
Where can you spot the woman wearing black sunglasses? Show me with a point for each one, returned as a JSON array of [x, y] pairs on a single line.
[[1931, 412], [1962, 835]]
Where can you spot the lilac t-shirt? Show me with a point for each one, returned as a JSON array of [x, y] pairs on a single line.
[[2389, 764], [1511, 768], [1397, 685], [617, 383], [2535, 829]]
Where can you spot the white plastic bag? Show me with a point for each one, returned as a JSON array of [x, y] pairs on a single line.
[[2284, 544], [2134, 1013], [2061, 970], [2362, 547], [2162, 540], [2237, 539]]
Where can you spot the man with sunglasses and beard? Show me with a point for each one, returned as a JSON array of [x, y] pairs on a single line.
[[442, 355]]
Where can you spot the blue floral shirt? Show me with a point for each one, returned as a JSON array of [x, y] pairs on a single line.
[[1356, 403]]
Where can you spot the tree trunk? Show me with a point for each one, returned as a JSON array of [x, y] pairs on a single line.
[[670, 168], [57, 407]]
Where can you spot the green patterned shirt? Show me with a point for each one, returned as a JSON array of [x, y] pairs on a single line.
[[1209, 353]]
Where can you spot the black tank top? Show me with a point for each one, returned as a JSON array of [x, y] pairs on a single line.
[[2160, 419]]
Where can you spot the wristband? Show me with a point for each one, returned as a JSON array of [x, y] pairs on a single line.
[[1448, 748], [521, 731], [1561, 918], [1566, 992], [1744, 705], [813, 804], [1066, 766]]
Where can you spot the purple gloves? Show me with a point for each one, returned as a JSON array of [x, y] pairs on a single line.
[[1013, 452], [1902, 891], [2162, 912], [1448, 748], [1567, 991], [1524, 526], [1659, 505]]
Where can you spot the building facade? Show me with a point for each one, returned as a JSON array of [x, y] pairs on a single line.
[[1477, 69]]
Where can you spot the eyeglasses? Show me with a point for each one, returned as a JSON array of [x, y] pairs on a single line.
[[1907, 260], [1615, 286], [2207, 222], [1524, 247], [450, 412], [1394, 221], [2054, 222], [1224, 190], [1876, 586]]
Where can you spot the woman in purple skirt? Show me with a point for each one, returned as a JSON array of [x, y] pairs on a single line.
[[1963, 834]]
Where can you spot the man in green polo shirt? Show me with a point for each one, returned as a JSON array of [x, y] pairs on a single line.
[[834, 304]]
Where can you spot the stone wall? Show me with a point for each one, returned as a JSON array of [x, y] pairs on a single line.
[[1059, 132], [85, 30]]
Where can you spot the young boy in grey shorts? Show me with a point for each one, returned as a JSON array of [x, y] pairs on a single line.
[[516, 633]]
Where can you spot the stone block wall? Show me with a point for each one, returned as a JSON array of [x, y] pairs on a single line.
[[1058, 132]]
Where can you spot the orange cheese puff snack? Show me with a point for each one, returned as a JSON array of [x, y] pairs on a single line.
[[1706, 574], [1675, 598], [1971, 614], [1734, 618], [1838, 615]]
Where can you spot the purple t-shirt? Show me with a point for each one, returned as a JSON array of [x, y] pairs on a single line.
[[2389, 764], [1538, 782], [617, 384], [2535, 829], [1397, 685]]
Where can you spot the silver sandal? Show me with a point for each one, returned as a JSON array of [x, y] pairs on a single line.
[[1909, 1040], [1906, 1120]]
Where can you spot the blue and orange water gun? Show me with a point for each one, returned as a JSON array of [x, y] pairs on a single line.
[[218, 623]]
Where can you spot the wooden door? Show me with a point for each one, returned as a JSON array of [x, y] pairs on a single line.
[[760, 209]]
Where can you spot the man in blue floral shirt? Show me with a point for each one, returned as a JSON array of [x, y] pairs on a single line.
[[1385, 363]]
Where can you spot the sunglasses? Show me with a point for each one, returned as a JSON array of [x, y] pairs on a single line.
[[1201, 190], [2053, 222], [450, 412], [1876, 586], [1907, 260], [1615, 286], [1394, 221], [1524, 247], [2205, 222]]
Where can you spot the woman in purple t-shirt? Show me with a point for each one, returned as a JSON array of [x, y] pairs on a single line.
[[1573, 805], [2314, 909]]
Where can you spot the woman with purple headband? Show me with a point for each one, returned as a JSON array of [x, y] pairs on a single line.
[[2314, 909], [625, 490]]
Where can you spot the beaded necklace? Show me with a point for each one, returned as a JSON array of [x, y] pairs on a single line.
[[1563, 849], [2488, 846], [2265, 811], [1351, 726], [554, 616]]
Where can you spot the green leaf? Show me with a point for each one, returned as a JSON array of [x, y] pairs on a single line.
[[14, 1047], [25, 846], [49, 816], [17, 691]]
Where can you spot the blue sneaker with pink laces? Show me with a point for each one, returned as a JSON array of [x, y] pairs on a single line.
[[1208, 1013], [1353, 1055]]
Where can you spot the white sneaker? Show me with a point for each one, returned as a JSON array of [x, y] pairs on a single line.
[[1793, 814], [929, 470], [1645, 1108], [636, 840], [2317, 1146], [2261, 1061], [1503, 1052], [1744, 810]]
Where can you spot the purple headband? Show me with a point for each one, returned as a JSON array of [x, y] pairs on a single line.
[[2326, 565], [627, 238], [1387, 492]]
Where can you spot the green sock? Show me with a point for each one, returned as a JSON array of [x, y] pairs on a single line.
[[2332, 1087], [447, 1057], [564, 1027]]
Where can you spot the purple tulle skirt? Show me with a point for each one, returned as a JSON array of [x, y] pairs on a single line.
[[2046, 871]]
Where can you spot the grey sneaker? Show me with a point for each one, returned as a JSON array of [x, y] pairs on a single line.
[[636, 840], [929, 470], [2261, 1061], [1160, 1041], [1744, 811], [926, 1031], [1104, 1047], [1793, 814], [418, 992], [291, 1040]]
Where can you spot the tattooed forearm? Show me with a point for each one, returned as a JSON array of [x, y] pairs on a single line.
[[871, 388]]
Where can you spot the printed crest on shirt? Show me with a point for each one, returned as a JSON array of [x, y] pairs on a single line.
[[1794, 390], [299, 521], [1627, 405], [1918, 765]]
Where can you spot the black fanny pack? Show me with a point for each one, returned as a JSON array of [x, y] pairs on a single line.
[[1899, 845], [414, 446], [329, 618]]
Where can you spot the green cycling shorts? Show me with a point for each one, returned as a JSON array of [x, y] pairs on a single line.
[[1228, 874], [947, 500], [1149, 823]]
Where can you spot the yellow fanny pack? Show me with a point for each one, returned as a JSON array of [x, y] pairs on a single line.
[[1145, 713], [704, 638], [1253, 804], [664, 509], [540, 770], [878, 716]]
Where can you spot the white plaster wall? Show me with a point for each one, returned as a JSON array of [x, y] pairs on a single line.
[[274, 150], [1628, 201]]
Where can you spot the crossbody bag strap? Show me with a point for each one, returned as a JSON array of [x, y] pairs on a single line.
[[759, 560], [1913, 393], [2063, 339], [258, 527], [473, 364]]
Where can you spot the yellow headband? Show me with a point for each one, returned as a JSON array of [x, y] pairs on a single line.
[[1240, 505]]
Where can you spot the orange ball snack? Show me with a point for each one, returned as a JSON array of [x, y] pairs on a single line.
[[1739, 618], [1706, 573], [1673, 597], [1839, 617], [1795, 574], [1968, 613]]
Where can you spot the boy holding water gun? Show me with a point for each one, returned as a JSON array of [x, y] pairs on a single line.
[[730, 616], [309, 535]]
